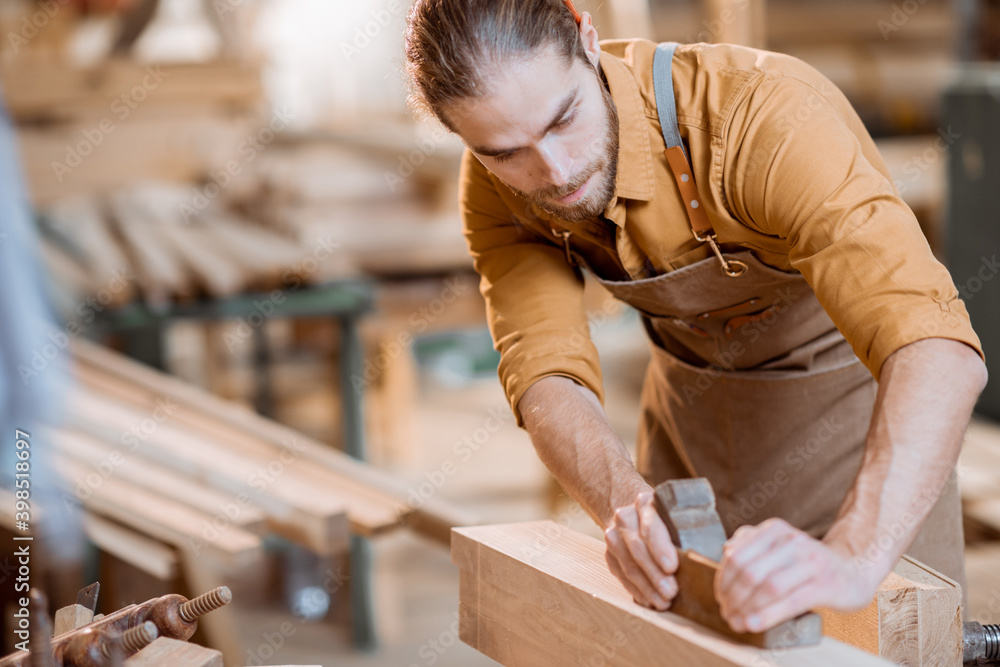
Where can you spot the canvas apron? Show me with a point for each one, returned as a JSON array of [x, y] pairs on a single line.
[[752, 386]]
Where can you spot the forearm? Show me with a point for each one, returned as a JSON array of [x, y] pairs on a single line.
[[576, 443], [926, 394]]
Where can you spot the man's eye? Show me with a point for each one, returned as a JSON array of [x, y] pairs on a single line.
[[504, 157], [567, 120]]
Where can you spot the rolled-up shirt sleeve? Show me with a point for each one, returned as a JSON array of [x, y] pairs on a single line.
[[534, 298], [800, 173]]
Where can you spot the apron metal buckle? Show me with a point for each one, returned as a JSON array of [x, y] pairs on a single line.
[[565, 234], [733, 268]]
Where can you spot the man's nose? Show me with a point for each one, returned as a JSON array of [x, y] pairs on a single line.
[[557, 163]]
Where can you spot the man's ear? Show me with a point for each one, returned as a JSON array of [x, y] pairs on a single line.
[[588, 33]]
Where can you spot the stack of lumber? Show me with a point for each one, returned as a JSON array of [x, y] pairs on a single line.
[[539, 593], [178, 442], [148, 240], [91, 130], [180, 483]]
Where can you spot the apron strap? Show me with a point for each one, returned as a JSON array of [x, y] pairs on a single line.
[[677, 159]]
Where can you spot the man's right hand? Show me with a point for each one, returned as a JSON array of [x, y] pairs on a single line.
[[641, 554]]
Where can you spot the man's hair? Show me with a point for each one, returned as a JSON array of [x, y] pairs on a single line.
[[451, 45]]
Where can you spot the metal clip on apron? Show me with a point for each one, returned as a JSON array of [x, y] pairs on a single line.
[[677, 159]]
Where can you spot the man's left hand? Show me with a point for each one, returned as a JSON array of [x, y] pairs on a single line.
[[773, 572]]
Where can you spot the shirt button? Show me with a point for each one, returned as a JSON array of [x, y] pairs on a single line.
[[694, 203], [684, 177]]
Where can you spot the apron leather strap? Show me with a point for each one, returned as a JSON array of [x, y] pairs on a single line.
[[677, 160]]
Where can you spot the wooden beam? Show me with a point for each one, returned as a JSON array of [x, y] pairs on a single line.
[[368, 511], [42, 88], [156, 516], [539, 593], [375, 500], [71, 617], [81, 226], [144, 553], [88, 450], [167, 651], [303, 511], [915, 619]]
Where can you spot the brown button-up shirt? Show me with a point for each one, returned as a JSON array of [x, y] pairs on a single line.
[[784, 167]]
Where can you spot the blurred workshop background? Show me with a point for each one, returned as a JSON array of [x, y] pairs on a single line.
[[236, 289]]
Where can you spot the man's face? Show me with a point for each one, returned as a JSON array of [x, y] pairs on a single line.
[[549, 130]]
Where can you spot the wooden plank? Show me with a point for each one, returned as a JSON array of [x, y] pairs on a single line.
[[154, 143], [155, 516], [914, 619], [163, 206], [302, 511], [81, 225], [214, 270], [539, 593], [374, 496], [70, 618], [67, 271], [166, 651], [88, 450], [135, 548], [46, 88], [269, 256], [161, 274]]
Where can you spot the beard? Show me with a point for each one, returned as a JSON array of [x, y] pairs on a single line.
[[604, 165]]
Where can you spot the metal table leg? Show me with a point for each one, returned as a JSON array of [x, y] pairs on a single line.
[[362, 603]]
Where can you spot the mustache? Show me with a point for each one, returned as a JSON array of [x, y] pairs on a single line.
[[553, 192]]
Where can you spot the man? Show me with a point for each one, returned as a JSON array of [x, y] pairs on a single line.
[[735, 199]]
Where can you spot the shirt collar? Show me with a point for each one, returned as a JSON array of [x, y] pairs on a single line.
[[635, 159]]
